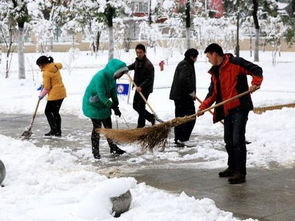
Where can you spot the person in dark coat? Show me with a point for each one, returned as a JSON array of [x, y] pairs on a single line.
[[183, 92], [229, 78], [144, 79]]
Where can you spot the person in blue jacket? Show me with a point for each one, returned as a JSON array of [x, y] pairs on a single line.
[[99, 98]]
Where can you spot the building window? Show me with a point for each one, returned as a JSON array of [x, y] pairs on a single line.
[[139, 7]]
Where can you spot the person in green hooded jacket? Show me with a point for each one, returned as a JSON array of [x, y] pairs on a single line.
[[99, 98]]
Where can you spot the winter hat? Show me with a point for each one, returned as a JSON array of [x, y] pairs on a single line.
[[192, 52]]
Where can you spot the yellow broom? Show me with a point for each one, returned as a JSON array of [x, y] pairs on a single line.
[[156, 135]]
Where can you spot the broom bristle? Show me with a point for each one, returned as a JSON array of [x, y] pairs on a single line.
[[147, 137]]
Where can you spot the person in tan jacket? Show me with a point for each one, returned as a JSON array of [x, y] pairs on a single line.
[[54, 87]]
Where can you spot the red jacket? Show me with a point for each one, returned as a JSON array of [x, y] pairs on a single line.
[[232, 80]]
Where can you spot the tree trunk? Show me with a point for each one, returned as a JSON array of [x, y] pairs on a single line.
[[21, 56], [7, 66], [9, 51], [256, 51], [109, 13], [255, 18], [150, 12], [188, 24], [188, 40], [237, 49], [111, 43], [97, 41], [250, 43]]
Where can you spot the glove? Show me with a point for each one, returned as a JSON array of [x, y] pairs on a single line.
[[40, 87], [115, 105], [117, 111], [43, 94]]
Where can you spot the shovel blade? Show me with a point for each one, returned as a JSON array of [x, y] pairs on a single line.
[[27, 134]]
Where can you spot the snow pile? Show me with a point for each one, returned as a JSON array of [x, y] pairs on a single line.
[[48, 184]]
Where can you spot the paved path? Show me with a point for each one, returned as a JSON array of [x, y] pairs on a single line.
[[268, 195]]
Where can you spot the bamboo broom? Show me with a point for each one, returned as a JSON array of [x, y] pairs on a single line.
[[156, 135]]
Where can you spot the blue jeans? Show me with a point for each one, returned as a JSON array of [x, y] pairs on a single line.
[[234, 137]]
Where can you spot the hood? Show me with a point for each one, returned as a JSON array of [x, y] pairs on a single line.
[[113, 66], [52, 67]]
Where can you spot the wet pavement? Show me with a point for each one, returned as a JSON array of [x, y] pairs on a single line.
[[268, 194]]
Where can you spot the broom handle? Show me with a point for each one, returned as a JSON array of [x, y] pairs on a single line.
[[200, 101], [224, 102], [140, 93]]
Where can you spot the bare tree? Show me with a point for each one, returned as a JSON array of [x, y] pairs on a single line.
[[7, 38]]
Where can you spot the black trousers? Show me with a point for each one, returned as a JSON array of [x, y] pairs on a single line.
[[234, 137], [52, 114], [139, 107], [183, 108], [95, 137]]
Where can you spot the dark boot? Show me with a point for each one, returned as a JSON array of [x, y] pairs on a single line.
[[178, 144], [115, 150], [57, 133], [150, 117], [95, 153], [50, 133], [96, 156], [237, 178], [226, 173]]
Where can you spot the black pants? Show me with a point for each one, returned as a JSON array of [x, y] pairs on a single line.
[[183, 108], [139, 106], [234, 137], [52, 113], [95, 137]]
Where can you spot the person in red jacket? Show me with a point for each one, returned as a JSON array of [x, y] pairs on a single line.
[[229, 78]]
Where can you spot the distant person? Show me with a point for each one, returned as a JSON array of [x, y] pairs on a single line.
[[54, 87], [183, 92], [99, 99], [144, 79], [229, 78]]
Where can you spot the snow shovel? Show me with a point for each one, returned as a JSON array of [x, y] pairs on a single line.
[[27, 133], [145, 100]]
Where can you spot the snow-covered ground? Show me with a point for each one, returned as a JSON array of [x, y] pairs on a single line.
[[48, 184]]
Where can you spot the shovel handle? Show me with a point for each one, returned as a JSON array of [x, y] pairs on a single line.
[[35, 113]]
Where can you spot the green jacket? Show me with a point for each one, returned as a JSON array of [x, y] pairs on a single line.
[[96, 102]]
